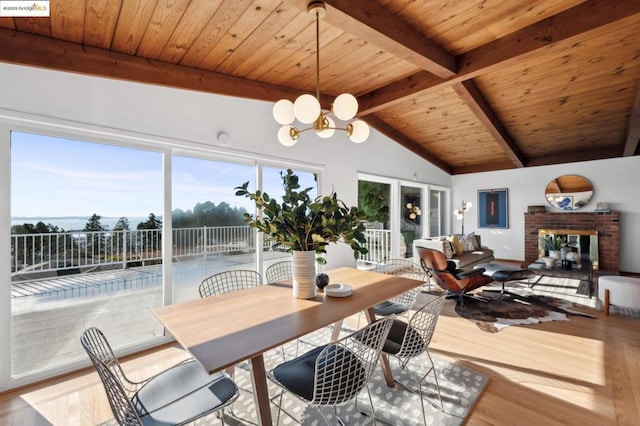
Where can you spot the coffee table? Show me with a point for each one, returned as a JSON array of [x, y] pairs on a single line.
[[582, 271]]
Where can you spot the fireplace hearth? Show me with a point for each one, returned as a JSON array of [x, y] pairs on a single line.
[[605, 224]]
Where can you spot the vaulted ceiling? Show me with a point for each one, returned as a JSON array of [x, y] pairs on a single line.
[[473, 85]]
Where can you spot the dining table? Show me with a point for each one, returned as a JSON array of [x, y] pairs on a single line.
[[222, 330]]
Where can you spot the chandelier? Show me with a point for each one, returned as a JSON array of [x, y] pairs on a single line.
[[413, 211], [460, 213], [307, 109]]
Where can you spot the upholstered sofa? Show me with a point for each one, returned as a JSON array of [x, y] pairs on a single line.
[[466, 252]]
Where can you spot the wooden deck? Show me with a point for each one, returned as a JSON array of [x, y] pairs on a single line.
[[90, 283], [98, 282]]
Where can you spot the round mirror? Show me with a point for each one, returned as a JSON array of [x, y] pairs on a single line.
[[569, 192]]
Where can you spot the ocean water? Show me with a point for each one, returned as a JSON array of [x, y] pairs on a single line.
[[76, 223]]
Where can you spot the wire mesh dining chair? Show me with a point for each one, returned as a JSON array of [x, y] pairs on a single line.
[[178, 395], [279, 271], [402, 303], [227, 281], [334, 374], [410, 340]]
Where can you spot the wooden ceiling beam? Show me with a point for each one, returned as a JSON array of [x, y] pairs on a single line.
[[372, 22], [586, 19], [572, 157], [483, 167], [44, 52], [633, 131], [475, 100], [575, 156], [406, 142]]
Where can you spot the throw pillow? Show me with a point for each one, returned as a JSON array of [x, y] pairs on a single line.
[[467, 242], [473, 239], [456, 244], [449, 249]]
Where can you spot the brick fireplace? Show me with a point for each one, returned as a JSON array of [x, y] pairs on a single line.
[[606, 223]]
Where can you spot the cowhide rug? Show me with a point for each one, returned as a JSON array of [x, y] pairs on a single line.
[[492, 315]]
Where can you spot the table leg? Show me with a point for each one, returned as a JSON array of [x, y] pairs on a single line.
[[337, 327], [384, 360], [260, 390]]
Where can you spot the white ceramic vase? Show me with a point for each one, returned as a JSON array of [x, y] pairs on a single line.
[[549, 261], [304, 274]]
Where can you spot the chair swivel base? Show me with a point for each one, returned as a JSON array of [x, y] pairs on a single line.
[[461, 296]]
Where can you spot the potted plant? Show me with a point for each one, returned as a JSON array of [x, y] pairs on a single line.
[[551, 248], [305, 226]]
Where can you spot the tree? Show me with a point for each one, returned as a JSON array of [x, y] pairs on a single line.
[[122, 224], [151, 240], [94, 224], [35, 249], [118, 238], [373, 199], [151, 223], [95, 243]]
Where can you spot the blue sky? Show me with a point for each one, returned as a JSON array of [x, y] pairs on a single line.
[[53, 177]]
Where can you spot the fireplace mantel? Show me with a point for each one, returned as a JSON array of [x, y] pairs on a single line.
[[606, 223]]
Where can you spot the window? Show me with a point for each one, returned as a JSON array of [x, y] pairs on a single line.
[[88, 241], [399, 212], [209, 233], [85, 247]]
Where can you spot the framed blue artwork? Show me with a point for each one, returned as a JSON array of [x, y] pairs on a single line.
[[493, 208]]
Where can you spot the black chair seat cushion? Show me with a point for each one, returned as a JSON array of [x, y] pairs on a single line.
[[512, 275], [298, 375], [182, 393], [393, 344], [386, 308]]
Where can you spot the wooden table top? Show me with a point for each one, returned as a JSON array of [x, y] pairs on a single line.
[[220, 331]]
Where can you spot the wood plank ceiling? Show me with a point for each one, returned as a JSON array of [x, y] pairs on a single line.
[[474, 85]]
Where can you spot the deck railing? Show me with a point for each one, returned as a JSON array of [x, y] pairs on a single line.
[[66, 252], [378, 244]]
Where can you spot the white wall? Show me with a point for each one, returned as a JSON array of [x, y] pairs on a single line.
[[614, 181], [197, 118]]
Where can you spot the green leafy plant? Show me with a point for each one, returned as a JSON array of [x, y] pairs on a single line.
[[305, 224], [549, 243]]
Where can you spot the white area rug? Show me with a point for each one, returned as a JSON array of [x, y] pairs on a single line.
[[460, 389]]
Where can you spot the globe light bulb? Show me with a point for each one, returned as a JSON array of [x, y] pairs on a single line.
[[306, 109], [359, 131], [283, 111], [328, 132], [287, 135], [345, 106]]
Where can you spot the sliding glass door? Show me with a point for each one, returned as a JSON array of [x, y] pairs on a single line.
[[374, 198], [411, 220], [85, 247], [438, 217], [104, 230], [208, 230], [399, 212]]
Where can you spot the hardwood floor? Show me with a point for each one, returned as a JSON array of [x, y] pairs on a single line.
[[578, 372]]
